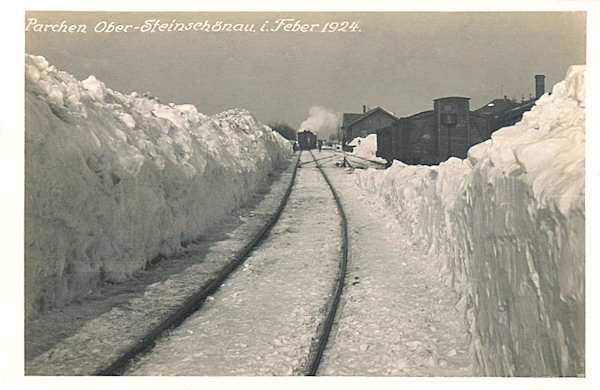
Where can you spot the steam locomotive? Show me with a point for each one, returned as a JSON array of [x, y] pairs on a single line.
[[307, 140]]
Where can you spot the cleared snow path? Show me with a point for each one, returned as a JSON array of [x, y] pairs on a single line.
[[396, 317], [262, 320]]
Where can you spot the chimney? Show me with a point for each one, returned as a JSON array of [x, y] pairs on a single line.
[[540, 89], [364, 109]]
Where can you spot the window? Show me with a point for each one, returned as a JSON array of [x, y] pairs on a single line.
[[449, 119]]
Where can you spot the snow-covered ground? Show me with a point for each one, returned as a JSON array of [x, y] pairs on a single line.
[[396, 317], [506, 228], [114, 180], [366, 147], [262, 320]]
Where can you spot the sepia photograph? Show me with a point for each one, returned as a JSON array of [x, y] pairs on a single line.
[[342, 192]]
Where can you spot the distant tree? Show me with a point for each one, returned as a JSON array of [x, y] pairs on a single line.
[[336, 137], [284, 129]]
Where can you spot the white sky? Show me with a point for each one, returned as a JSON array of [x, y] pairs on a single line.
[[400, 61]]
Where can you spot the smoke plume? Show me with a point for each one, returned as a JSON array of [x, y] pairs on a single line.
[[322, 121]]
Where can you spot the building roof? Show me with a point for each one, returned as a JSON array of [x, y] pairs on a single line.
[[497, 106], [420, 114], [452, 98], [505, 106], [349, 118], [521, 107], [369, 113]]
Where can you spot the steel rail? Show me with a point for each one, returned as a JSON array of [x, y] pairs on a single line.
[[319, 343], [363, 158], [318, 159], [194, 302]]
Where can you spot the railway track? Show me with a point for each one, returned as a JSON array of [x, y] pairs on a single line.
[[194, 302], [360, 162], [144, 347], [323, 337], [315, 160]]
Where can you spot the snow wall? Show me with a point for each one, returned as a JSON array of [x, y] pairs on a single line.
[[507, 227], [113, 181]]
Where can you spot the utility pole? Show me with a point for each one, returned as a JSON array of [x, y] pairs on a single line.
[[345, 162]]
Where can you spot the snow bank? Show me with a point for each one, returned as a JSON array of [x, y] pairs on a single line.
[[367, 148], [356, 141], [113, 180], [506, 227]]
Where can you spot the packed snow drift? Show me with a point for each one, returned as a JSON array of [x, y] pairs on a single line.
[[113, 181], [366, 147], [507, 227]]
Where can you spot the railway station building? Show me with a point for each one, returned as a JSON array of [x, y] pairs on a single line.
[[449, 130], [365, 123]]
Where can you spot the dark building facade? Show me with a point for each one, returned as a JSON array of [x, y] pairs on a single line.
[[449, 130], [430, 137], [505, 112]]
